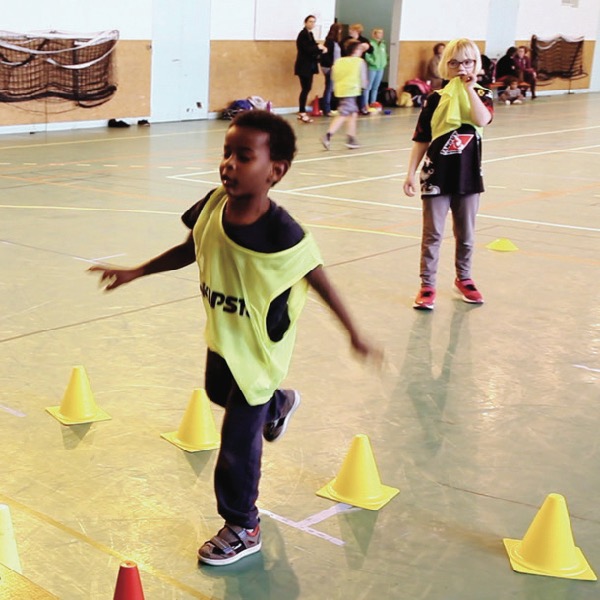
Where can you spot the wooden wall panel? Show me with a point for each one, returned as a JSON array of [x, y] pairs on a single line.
[[132, 64], [239, 69], [413, 57]]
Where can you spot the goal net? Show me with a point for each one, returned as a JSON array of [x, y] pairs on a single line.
[[55, 64], [558, 57]]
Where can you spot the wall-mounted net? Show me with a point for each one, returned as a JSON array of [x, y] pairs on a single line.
[[54, 64], [558, 57]]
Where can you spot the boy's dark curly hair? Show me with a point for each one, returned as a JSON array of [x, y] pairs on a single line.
[[282, 139]]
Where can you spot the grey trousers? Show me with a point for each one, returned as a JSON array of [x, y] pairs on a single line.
[[435, 209]]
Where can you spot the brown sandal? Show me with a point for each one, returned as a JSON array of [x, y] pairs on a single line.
[[230, 545], [304, 118]]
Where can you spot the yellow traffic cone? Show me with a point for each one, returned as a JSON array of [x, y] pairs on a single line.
[[78, 404], [502, 245], [8, 546], [548, 547], [197, 429], [358, 481]]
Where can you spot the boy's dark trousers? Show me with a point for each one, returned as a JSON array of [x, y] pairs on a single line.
[[237, 472]]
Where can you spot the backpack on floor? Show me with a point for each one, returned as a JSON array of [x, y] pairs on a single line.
[[237, 106], [418, 89], [388, 97], [405, 100], [257, 102]]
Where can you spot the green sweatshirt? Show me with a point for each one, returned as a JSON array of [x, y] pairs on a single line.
[[377, 60]]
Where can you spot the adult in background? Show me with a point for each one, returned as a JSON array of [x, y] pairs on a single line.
[[307, 63], [355, 32], [376, 62], [334, 51], [505, 67], [524, 70], [433, 67], [485, 76]]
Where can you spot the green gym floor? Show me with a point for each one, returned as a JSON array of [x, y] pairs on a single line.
[[480, 413]]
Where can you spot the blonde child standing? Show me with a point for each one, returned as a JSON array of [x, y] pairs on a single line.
[[349, 75], [448, 135]]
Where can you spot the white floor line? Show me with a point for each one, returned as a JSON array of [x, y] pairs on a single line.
[[404, 207], [301, 527], [543, 153], [12, 411], [320, 196], [587, 368], [329, 512], [347, 182], [100, 259], [544, 223], [552, 132]]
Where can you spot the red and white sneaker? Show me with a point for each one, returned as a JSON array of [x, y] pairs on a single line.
[[425, 299], [467, 290]]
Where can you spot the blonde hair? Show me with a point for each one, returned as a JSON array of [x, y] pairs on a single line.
[[356, 27], [457, 49], [376, 30]]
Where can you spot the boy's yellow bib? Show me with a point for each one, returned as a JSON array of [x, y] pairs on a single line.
[[238, 286]]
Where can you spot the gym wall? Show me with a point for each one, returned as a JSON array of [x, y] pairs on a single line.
[[252, 46]]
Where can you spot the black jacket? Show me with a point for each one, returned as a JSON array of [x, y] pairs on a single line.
[[505, 67], [361, 38], [307, 59], [327, 59]]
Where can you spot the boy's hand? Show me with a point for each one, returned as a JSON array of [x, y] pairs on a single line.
[[112, 278], [367, 351]]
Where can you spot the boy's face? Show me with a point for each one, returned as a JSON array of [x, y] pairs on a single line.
[[246, 169]]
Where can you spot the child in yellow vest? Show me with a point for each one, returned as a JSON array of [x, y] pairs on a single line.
[[349, 75], [255, 265]]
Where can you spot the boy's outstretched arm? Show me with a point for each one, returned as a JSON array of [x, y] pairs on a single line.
[[320, 282], [175, 258]]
